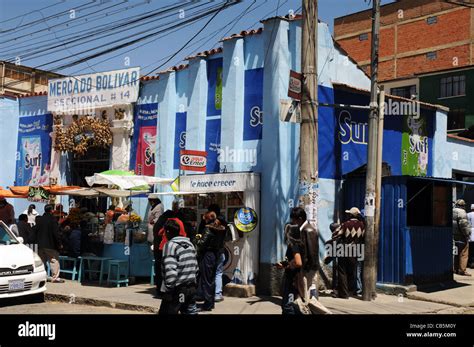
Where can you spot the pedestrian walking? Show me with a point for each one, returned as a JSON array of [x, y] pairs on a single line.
[[32, 214], [352, 233], [470, 218], [208, 245], [7, 212], [292, 265], [159, 243], [461, 236], [179, 272], [47, 237]]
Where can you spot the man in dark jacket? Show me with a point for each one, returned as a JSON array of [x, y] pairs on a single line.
[[209, 244], [47, 237], [7, 213], [74, 241], [24, 229], [310, 241]]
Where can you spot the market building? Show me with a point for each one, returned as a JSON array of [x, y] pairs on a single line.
[[226, 102]]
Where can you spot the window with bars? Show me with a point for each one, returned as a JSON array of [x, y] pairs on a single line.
[[404, 92], [363, 37], [453, 86]]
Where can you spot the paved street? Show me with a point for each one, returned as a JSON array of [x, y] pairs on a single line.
[[59, 308], [139, 298]]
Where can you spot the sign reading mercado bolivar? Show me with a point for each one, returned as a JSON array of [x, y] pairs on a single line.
[[101, 89]]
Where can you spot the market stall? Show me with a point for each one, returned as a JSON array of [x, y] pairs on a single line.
[[238, 196], [125, 237]]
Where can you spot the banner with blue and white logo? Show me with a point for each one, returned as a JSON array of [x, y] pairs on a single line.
[[34, 150], [253, 104]]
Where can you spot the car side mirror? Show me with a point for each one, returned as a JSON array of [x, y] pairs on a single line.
[[20, 239]]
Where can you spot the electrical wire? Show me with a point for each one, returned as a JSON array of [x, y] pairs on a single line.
[[75, 33], [34, 23], [227, 3], [57, 47], [81, 60]]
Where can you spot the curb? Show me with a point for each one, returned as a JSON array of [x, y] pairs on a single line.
[[96, 302], [436, 301]]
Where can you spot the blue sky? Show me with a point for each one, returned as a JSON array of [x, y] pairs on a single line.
[[69, 18]]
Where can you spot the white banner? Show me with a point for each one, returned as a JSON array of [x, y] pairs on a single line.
[[231, 182], [103, 89]]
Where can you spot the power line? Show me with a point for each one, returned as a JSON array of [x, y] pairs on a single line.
[[132, 42], [104, 31], [228, 2], [56, 25], [31, 12], [34, 23], [75, 34], [212, 35]]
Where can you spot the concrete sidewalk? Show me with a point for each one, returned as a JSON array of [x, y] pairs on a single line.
[[139, 297], [459, 293]]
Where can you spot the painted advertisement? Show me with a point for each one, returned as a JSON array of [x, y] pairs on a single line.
[[34, 150], [143, 149], [253, 104], [83, 92], [415, 146], [214, 78], [344, 136], [214, 112], [213, 144], [179, 137]]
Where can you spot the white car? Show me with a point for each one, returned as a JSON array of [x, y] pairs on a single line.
[[22, 271]]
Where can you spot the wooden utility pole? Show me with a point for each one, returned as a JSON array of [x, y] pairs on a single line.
[[370, 270], [378, 181], [309, 112]]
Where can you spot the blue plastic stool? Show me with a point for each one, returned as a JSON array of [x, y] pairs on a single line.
[[120, 276], [89, 270], [74, 271], [152, 281]]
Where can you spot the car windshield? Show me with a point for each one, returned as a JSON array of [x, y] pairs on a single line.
[[5, 236]]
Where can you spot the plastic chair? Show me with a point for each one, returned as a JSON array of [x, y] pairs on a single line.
[[120, 276]]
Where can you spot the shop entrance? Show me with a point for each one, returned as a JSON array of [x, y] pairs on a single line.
[[95, 160]]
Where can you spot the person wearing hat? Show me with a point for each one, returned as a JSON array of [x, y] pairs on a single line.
[[352, 232], [7, 213], [461, 236], [470, 218]]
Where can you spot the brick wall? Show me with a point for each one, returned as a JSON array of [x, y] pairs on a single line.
[[406, 38]]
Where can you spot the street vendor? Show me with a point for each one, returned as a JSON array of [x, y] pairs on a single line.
[[156, 210]]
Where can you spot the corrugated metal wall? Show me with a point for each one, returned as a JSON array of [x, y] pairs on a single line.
[[407, 255], [392, 257], [431, 254]]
